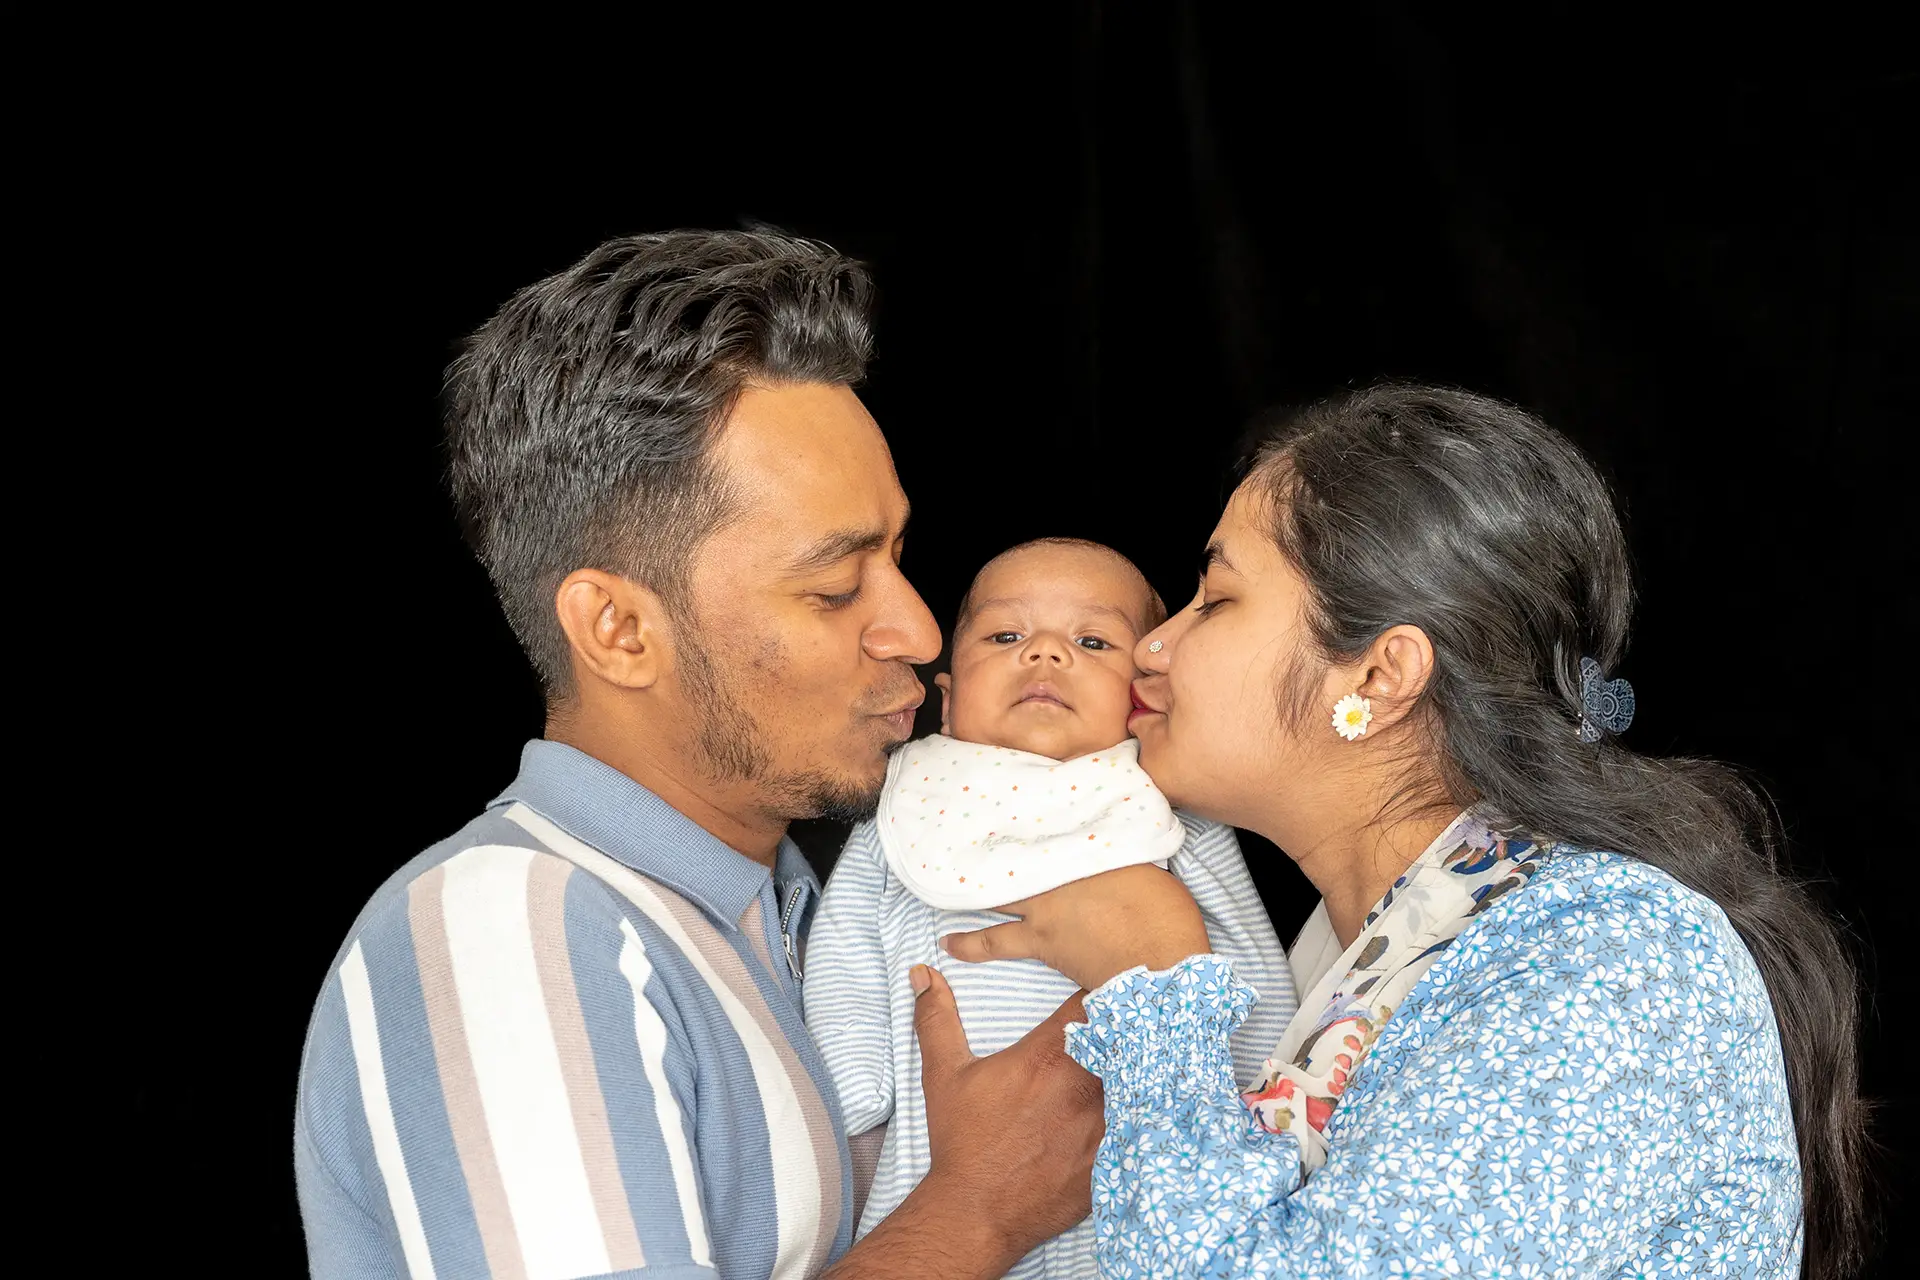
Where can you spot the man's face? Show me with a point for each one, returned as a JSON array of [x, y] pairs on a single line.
[[798, 663], [1045, 661]]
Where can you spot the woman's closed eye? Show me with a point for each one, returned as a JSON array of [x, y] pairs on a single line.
[[1206, 607]]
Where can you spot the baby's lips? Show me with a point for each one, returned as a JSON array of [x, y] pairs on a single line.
[[1046, 689]]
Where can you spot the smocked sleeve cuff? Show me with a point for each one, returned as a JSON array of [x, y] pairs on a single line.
[[1153, 1037]]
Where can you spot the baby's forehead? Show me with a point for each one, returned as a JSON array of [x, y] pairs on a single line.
[[1084, 578]]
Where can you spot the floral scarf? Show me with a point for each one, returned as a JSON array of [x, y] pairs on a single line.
[[1460, 875]]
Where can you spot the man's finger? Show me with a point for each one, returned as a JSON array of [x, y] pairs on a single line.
[[1050, 1037], [936, 1020], [1046, 1047], [1013, 940], [1073, 1009]]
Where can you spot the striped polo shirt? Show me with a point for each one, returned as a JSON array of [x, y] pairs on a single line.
[[568, 1042]]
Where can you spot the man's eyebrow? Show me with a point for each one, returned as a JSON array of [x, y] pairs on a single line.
[[837, 546]]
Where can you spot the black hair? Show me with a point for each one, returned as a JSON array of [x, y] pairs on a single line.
[[581, 418], [1479, 524]]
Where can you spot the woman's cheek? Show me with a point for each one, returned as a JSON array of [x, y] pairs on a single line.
[[1210, 720]]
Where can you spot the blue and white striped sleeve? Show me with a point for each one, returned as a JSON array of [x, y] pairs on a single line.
[[1215, 872], [496, 1082], [848, 1000]]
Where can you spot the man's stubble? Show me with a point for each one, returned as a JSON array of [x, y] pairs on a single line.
[[733, 746]]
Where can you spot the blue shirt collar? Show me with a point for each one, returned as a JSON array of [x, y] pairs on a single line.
[[597, 803]]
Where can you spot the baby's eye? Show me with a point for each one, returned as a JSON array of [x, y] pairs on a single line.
[[1094, 643], [1004, 637]]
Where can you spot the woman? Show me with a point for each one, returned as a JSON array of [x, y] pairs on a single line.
[[1561, 1015]]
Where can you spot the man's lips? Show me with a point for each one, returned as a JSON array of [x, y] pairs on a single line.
[[901, 720]]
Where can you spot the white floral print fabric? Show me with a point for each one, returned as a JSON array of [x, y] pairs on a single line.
[[1588, 1083], [968, 827], [1466, 869]]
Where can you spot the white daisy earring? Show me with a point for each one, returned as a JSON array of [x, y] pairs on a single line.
[[1351, 716]]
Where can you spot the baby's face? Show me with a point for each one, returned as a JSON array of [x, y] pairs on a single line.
[[1045, 662]]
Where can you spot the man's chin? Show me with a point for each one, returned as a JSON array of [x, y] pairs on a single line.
[[852, 796], [846, 803]]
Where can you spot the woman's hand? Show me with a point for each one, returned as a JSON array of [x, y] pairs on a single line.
[[1095, 928]]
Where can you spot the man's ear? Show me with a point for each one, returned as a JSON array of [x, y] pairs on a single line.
[[945, 685], [615, 627], [1396, 669]]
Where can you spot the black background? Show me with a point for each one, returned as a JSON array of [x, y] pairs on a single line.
[[1102, 239]]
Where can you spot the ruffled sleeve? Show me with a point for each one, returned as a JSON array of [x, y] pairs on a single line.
[[1164, 1034], [1185, 1166], [1588, 1081]]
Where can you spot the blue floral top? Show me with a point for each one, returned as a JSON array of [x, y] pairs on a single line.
[[1587, 1084]]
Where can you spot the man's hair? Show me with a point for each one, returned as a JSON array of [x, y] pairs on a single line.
[[1155, 608], [581, 418]]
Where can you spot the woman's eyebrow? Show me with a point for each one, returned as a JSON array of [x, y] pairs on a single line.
[[1216, 553]]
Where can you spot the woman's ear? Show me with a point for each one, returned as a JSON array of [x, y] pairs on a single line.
[[945, 684], [1397, 668], [613, 626]]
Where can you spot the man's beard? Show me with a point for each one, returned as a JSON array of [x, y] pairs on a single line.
[[733, 748]]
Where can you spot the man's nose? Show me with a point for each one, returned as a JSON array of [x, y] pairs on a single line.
[[904, 630]]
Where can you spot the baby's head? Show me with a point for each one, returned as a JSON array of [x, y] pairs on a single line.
[[1043, 649]]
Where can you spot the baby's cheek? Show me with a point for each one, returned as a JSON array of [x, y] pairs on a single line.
[[1110, 705], [970, 710]]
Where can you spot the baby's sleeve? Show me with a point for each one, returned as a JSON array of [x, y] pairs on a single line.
[[1211, 866], [846, 993]]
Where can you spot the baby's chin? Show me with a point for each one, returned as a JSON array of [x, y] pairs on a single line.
[[1056, 743]]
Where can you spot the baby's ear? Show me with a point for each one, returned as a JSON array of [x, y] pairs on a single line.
[[945, 684]]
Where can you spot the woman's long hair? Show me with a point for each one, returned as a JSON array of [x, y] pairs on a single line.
[[1478, 523]]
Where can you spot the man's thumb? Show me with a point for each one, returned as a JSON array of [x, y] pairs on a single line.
[[936, 1020]]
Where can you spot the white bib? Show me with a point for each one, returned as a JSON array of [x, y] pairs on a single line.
[[969, 827]]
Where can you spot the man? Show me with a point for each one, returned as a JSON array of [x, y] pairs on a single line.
[[567, 1041]]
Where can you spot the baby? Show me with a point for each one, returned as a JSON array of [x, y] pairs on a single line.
[[1032, 782]]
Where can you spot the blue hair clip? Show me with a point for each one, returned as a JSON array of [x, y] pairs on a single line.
[[1604, 704]]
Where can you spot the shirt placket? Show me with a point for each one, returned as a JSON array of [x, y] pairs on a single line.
[[783, 914]]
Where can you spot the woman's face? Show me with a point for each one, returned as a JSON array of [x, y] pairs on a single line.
[[1212, 732]]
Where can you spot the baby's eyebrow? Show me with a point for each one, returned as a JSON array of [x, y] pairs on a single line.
[[1114, 611], [998, 602], [1020, 602]]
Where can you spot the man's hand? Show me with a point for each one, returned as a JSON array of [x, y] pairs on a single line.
[[1015, 1130], [1013, 1137]]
